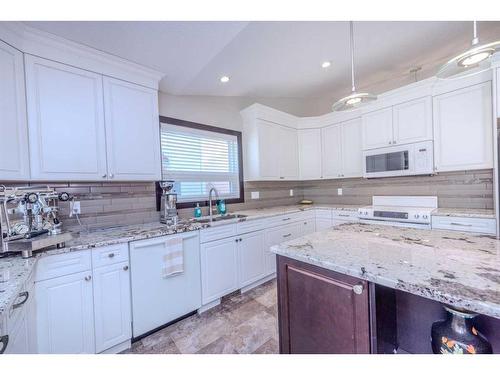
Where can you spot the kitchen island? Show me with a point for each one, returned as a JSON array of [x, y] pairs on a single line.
[[381, 287]]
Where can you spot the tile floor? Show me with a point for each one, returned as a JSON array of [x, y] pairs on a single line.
[[241, 324]]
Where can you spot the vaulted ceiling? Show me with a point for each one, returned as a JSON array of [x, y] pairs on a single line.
[[278, 59]]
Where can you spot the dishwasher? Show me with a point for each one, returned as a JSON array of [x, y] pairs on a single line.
[[159, 300]]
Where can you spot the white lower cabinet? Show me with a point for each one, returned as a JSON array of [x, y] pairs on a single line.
[[112, 305], [219, 268], [19, 337], [251, 258], [65, 314]]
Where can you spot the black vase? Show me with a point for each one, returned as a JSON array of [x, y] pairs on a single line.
[[457, 334]]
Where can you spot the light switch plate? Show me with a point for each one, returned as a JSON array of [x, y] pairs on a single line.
[[255, 195], [291, 192], [339, 191]]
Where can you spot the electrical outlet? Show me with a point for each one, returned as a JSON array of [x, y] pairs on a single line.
[[255, 195], [74, 208], [339, 191], [291, 192]]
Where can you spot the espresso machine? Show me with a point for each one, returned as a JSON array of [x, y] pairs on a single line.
[[168, 206], [29, 219]]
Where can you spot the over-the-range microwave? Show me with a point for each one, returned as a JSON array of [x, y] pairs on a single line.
[[402, 160]]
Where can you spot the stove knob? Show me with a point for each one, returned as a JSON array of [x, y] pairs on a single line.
[[425, 216], [417, 216]]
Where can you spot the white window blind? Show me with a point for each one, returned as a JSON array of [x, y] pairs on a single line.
[[198, 159]]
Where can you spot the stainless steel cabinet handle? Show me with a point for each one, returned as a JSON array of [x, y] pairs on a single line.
[[282, 178], [358, 289], [462, 225], [390, 142], [19, 304], [111, 255], [343, 215], [288, 218], [4, 340], [104, 175], [287, 235], [88, 278], [125, 268]]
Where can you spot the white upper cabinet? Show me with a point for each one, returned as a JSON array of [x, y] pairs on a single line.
[[352, 155], [498, 91], [331, 138], [403, 123], [14, 156], [412, 121], [309, 153], [132, 131], [66, 122], [288, 155], [463, 129], [271, 151], [267, 147], [377, 129]]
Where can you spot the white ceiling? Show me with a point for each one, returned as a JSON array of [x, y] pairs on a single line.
[[277, 59]]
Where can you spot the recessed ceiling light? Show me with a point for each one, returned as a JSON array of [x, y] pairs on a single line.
[[326, 64], [224, 79]]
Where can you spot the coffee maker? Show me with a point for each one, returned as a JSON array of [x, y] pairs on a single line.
[[168, 206]]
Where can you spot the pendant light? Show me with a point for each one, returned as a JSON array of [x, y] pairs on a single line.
[[474, 59], [355, 99]]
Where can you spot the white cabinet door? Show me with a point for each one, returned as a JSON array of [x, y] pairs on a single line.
[[463, 129], [132, 131], [65, 315], [377, 129], [352, 154], [331, 150], [269, 164], [66, 122], [112, 305], [19, 337], [309, 153], [412, 121], [219, 268], [288, 153], [252, 263], [14, 155]]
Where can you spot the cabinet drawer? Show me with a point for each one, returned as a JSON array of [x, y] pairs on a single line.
[[250, 226], [286, 218], [109, 255], [62, 264], [465, 224], [218, 232]]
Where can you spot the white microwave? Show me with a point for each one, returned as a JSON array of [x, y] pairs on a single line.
[[402, 160]]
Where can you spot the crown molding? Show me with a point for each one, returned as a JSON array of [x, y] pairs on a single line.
[[42, 44]]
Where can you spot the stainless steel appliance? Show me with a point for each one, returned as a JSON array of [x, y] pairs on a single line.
[[404, 211], [402, 160], [29, 220], [168, 207]]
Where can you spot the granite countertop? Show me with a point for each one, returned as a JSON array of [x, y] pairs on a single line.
[[482, 213], [455, 268], [19, 270]]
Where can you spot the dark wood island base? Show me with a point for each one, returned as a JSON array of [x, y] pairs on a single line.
[[325, 312]]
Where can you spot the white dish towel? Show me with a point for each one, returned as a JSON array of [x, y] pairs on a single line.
[[173, 260]]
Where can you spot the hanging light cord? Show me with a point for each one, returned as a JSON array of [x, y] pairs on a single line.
[[352, 55], [476, 39]]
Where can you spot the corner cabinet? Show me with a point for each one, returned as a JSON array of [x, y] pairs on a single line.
[[86, 127], [271, 151], [463, 129], [309, 153], [14, 160], [66, 121], [132, 131], [321, 311]]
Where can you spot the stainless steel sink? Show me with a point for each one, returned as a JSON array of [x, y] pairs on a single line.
[[220, 218]]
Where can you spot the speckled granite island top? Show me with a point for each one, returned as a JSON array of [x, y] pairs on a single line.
[[459, 269]]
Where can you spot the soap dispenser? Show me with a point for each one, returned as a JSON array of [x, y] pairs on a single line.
[[197, 210]]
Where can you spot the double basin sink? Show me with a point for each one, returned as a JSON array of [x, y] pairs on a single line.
[[218, 219]]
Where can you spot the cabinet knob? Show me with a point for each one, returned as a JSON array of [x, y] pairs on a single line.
[[394, 142], [390, 142], [111, 255], [125, 268], [88, 278], [358, 289], [111, 175], [104, 175]]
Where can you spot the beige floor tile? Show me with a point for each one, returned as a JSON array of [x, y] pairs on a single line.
[[269, 347]]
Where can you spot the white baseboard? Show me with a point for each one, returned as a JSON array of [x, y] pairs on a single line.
[[118, 348], [209, 306], [258, 282]]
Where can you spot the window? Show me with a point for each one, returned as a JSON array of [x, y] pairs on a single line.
[[198, 157]]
